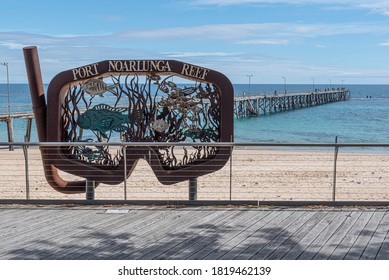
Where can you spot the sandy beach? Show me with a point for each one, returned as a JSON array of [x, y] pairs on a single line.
[[255, 174]]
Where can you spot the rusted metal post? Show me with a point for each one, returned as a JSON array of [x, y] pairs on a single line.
[[36, 90], [39, 108]]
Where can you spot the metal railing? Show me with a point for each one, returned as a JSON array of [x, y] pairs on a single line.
[[256, 173], [245, 94], [21, 108]]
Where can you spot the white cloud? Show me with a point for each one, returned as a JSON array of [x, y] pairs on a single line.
[[200, 54], [255, 33], [265, 42], [377, 6], [12, 45]]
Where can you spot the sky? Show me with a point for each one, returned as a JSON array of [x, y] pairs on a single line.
[[318, 41]]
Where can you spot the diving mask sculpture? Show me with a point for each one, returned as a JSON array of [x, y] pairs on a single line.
[[131, 101]]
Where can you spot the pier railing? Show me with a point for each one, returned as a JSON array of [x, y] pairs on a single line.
[[256, 174], [20, 108]]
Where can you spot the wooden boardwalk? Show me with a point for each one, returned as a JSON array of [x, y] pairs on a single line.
[[136, 232]]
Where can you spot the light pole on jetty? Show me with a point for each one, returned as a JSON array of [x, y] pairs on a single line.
[[5, 64], [249, 82], [284, 84]]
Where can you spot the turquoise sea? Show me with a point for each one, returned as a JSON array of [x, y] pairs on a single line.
[[363, 119]]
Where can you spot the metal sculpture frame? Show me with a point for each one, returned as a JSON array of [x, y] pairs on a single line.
[[194, 115]]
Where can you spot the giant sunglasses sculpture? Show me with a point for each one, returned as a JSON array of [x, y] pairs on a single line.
[[131, 101]]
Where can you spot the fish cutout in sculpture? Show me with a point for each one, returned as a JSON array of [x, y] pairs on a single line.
[[97, 87], [104, 118]]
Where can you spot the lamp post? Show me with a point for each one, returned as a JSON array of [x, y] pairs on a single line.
[[330, 83], [284, 84], [5, 64], [249, 81]]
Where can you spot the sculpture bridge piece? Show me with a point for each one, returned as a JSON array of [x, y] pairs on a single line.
[[131, 101]]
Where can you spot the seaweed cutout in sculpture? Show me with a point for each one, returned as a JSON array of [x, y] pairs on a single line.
[[152, 109]]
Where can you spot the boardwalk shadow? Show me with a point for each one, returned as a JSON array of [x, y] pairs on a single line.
[[200, 241], [208, 243]]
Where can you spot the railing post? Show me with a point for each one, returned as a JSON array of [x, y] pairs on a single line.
[[26, 168], [125, 172], [231, 169], [335, 161], [28, 130], [193, 188], [90, 189]]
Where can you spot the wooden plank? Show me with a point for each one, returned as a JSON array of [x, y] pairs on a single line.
[[194, 233], [311, 251], [350, 217], [50, 241], [66, 238], [255, 232], [284, 248], [382, 239], [150, 240], [7, 217], [10, 218], [34, 226], [92, 245], [348, 240], [279, 239], [233, 247], [210, 237], [36, 241], [237, 227], [191, 235], [362, 242], [310, 237], [259, 233]]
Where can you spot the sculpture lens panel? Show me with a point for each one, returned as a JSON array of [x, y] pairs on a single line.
[[141, 108]]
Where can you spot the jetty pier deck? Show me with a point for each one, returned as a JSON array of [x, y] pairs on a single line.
[[255, 105]]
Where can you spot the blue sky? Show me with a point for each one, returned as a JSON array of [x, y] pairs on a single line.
[[269, 39]]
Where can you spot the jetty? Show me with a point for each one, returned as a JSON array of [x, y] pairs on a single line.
[[262, 104]]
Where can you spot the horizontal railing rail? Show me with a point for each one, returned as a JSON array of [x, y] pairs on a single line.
[[260, 173], [210, 144], [20, 108]]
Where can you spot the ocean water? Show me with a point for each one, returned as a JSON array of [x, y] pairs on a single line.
[[363, 119]]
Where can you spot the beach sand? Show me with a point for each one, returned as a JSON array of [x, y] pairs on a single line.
[[256, 174]]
